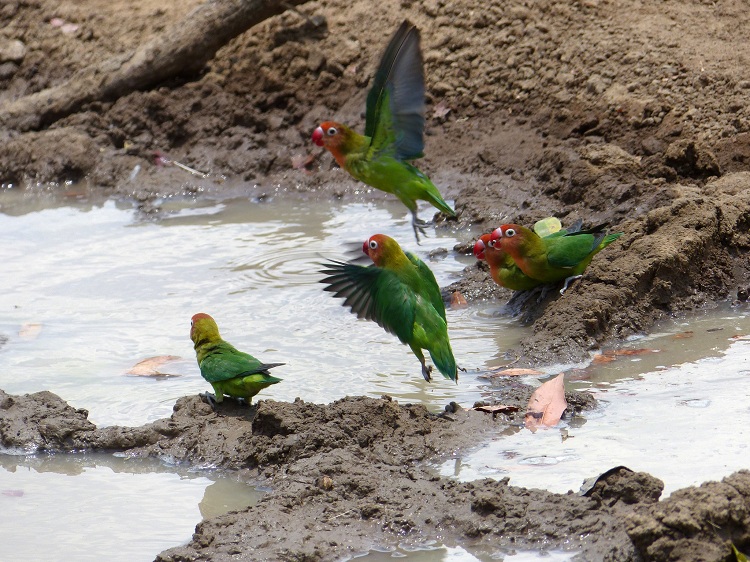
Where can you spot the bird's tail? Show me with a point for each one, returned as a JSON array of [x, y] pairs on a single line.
[[439, 203], [608, 239], [442, 356]]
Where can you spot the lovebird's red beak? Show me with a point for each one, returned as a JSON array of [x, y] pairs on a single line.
[[365, 248], [317, 136], [479, 249], [496, 235]]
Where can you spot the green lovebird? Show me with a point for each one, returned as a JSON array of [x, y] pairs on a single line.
[[394, 130], [230, 371], [503, 269], [553, 258], [400, 293]]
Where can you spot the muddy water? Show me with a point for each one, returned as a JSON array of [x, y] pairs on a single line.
[[92, 289], [440, 553], [674, 407], [113, 508]]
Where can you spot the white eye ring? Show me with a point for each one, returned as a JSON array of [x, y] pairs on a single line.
[[510, 232], [373, 244], [331, 131]]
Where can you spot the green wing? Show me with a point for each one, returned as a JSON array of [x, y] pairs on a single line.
[[373, 293], [429, 286], [394, 118], [223, 362], [571, 249]]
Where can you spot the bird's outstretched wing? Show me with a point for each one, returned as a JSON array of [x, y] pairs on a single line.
[[373, 293], [394, 118]]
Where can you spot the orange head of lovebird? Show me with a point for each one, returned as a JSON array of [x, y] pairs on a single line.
[[200, 324], [508, 238], [481, 245], [335, 137], [381, 249]]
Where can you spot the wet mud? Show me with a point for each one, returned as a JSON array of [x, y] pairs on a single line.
[[629, 113]]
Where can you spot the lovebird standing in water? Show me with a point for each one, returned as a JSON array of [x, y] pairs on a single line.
[[394, 130], [553, 258], [400, 293], [230, 371]]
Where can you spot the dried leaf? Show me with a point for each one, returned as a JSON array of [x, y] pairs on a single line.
[[603, 358], [514, 372], [151, 367], [30, 330], [302, 161], [441, 110], [458, 300], [641, 351], [683, 335], [547, 404]]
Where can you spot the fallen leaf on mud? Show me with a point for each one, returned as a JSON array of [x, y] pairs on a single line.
[[30, 330], [303, 161], [610, 355], [740, 337], [738, 555], [458, 300], [515, 372], [495, 408], [441, 110], [547, 404], [683, 335], [150, 367]]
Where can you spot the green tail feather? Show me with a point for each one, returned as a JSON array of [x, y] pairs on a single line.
[[443, 358]]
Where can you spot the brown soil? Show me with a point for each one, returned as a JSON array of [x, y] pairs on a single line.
[[631, 113]]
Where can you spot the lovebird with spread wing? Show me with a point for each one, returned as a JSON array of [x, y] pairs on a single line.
[[394, 130], [553, 258], [229, 371], [399, 292]]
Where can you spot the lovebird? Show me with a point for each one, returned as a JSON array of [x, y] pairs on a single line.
[[553, 258], [503, 269], [400, 293], [394, 130], [231, 372]]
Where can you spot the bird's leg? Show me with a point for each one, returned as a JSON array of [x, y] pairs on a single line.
[[418, 225], [209, 399], [426, 371], [242, 401], [568, 281]]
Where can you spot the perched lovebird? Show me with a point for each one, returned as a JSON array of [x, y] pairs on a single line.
[[400, 293], [394, 130], [553, 258], [230, 371], [503, 269]]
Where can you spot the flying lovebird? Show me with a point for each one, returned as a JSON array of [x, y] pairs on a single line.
[[231, 372], [394, 130], [399, 292], [553, 258]]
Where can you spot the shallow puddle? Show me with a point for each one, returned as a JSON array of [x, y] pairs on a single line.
[[441, 553], [113, 509], [671, 404], [92, 290]]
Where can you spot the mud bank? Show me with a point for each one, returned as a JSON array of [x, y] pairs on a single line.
[[355, 474]]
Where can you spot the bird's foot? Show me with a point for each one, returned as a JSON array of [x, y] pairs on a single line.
[[209, 399], [419, 226], [242, 401], [568, 280], [426, 371]]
